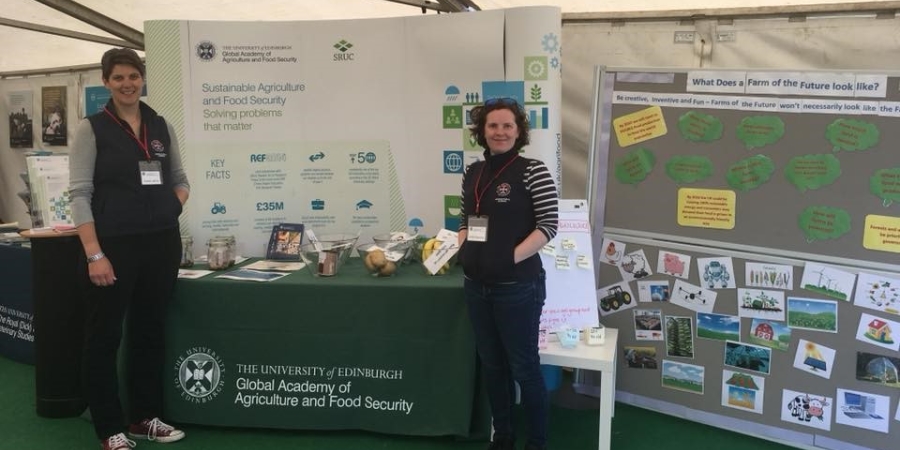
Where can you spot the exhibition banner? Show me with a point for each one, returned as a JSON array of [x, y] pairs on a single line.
[[355, 126]]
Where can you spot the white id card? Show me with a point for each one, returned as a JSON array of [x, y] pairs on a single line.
[[151, 172], [478, 226]]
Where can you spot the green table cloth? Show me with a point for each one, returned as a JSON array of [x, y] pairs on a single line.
[[393, 355]]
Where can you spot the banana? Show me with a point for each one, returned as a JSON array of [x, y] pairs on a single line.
[[428, 248]]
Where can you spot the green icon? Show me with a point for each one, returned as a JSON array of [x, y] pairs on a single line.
[[885, 183], [536, 93], [635, 166], [469, 142], [750, 173], [689, 169], [812, 171], [699, 127], [343, 46], [823, 222], [452, 116], [535, 68], [451, 206], [758, 131], [851, 135]]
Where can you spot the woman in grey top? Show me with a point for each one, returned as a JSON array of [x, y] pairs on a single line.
[[127, 190]]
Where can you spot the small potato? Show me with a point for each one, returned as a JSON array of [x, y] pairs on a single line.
[[368, 262], [388, 269], [377, 258]]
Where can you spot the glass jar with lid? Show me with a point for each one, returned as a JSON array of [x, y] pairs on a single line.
[[187, 251], [218, 253]]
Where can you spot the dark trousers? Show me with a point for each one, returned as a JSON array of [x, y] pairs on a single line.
[[506, 318], [146, 268]]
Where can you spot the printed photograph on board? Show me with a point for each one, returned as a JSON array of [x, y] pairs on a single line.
[[720, 327], [807, 409], [683, 377], [679, 337], [768, 333], [811, 314], [813, 358]]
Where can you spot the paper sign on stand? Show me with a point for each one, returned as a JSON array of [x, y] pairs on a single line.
[[568, 260]]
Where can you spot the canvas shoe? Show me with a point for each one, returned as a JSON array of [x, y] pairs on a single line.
[[117, 442], [154, 430]]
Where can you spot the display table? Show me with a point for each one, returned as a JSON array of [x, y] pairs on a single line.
[[600, 358], [58, 322], [392, 355], [16, 309]]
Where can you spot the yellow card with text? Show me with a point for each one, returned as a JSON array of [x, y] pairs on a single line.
[[706, 208], [640, 126], [882, 233]]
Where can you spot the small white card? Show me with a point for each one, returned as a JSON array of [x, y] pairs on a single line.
[[562, 262], [548, 249], [441, 255], [583, 261]]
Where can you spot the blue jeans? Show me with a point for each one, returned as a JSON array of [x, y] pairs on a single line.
[[505, 318]]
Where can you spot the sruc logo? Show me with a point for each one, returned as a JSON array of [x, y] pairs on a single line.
[[343, 48]]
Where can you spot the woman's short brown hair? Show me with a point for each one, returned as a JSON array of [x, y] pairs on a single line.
[[126, 56], [479, 114]]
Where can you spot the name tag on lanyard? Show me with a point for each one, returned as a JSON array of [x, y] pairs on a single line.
[[151, 172], [478, 227]]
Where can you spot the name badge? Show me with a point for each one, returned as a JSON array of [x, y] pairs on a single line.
[[151, 172], [478, 227]]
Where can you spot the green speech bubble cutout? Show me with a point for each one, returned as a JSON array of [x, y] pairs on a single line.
[[852, 135], [758, 131], [812, 171], [689, 169], [885, 183], [635, 166], [823, 222], [699, 127], [750, 173]]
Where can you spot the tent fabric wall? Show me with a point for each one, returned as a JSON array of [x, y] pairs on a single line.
[[845, 43]]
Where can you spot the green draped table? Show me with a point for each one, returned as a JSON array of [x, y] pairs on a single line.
[[392, 355]]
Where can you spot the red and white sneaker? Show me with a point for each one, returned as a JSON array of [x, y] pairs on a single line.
[[117, 442], [154, 430]]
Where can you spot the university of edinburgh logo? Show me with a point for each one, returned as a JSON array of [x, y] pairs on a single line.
[[206, 51], [199, 375]]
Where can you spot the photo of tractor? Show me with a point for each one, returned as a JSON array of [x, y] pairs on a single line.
[[615, 298]]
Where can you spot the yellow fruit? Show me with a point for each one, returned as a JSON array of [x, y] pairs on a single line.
[[387, 269], [428, 248]]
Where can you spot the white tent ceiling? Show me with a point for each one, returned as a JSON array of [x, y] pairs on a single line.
[[24, 49]]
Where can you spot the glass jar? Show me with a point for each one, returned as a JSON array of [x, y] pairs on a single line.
[[218, 253], [187, 251], [231, 243]]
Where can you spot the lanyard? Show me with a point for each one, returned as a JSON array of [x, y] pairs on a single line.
[[479, 196], [140, 143]]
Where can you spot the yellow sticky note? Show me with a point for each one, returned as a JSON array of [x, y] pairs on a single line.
[[882, 233], [640, 126], [706, 208]]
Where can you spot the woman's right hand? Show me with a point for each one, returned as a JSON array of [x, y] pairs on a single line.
[[101, 272]]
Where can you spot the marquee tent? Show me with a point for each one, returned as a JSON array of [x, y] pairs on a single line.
[[30, 30]]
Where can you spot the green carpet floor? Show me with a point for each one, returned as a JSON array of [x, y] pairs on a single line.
[[570, 429]]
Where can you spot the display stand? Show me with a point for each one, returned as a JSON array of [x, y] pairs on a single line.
[[58, 322]]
